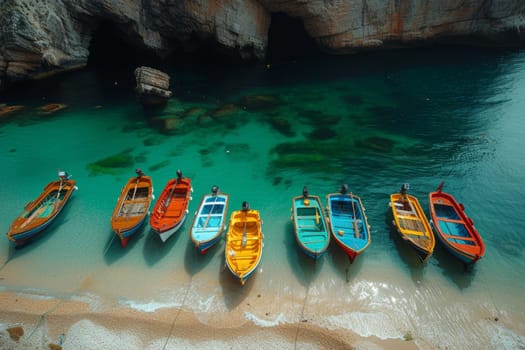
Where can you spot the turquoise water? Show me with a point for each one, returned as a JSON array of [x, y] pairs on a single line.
[[262, 133]]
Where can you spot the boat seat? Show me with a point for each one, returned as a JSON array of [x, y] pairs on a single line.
[[462, 238], [451, 220], [314, 242], [408, 217], [405, 212]]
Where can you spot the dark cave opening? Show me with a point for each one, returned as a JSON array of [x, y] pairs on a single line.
[[113, 48], [288, 40]]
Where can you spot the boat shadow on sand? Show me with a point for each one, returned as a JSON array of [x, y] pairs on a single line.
[[48, 234], [304, 268], [234, 293], [407, 254], [340, 262], [195, 261], [154, 249], [114, 251], [452, 268]]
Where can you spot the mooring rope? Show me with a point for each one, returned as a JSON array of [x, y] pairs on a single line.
[[491, 298], [302, 315], [10, 256], [177, 314], [109, 245]]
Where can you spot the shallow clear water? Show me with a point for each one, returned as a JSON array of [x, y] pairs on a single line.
[[262, 133]]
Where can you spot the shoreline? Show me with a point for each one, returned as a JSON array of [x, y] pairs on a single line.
[[118, 327]]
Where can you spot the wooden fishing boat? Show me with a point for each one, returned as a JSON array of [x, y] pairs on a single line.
[[171, 209], [210, 220], [40, 213], [348, 223], [411, 223], [244, 242], [309, 222], [454, 229], [132, 207]]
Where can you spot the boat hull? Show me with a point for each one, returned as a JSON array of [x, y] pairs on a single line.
[[132, 207], [170, 210], [412, 225], [348, 223], [454, 229], [164, 235], [127, 234], [209, 222], [244, 244], [310, 228], [41, 212]]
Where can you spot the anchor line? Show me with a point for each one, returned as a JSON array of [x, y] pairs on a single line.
[[177, 315]]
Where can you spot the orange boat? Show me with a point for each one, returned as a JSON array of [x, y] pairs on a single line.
[[454, 229], [132, 206], [39, 213], [411, 223], [171, 209]]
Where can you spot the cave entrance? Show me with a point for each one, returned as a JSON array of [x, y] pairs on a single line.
[[288, 40], [113, 48]]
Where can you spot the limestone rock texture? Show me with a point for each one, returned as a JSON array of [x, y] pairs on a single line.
[[42, 37]]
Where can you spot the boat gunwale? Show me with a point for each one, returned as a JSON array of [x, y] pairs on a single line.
[[174, 222], [220, 230], [394, 198], [308, 251], [363, 212], [466, 251], [258, 220], [40, 223]]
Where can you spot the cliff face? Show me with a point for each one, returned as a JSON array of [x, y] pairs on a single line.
[[43, 37], [341, 26]]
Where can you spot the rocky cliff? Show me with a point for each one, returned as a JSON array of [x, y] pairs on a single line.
[[40, 37]]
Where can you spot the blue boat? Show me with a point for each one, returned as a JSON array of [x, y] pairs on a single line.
[[210, 220], [309, 222], [348, 223]]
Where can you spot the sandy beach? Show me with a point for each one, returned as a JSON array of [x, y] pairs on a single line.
[[117, 327]]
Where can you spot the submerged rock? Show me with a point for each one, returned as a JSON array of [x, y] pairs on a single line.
[[6, 111], [112, 164], [376, 143], [260, 102], [225, 110], [51, 108], [281, 124], [322, 133]]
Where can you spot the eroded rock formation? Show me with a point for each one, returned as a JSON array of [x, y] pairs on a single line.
[[42, 37]]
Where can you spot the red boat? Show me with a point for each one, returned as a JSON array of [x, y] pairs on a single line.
[[171, 209], [454, 229]]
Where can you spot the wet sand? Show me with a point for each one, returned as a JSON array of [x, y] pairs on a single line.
[[44, 320]]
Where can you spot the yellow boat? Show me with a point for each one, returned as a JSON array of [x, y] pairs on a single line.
[[411, 223], [244, 242]]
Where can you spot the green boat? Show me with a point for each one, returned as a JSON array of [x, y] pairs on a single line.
[[310, 227]]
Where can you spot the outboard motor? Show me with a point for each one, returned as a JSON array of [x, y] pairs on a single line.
[[214, 190], [63, 175], [245, 206], [344, 189], [179, 174], [404, 188], [139, 172], [305, 191]]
